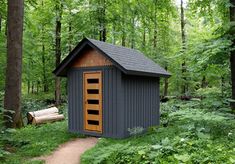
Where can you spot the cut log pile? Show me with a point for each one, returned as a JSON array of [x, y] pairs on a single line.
[[44, 116]]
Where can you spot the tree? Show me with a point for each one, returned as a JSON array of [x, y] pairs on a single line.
[[102, 20], [183, 37], [58, 49], [232, 56], [12, 98]]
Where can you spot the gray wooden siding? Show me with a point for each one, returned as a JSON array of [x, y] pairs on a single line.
[[113, 105], [141, 102]]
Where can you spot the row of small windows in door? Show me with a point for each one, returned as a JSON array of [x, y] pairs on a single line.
[[93, 91]]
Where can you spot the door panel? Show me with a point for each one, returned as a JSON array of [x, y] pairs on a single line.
[[92, 97]]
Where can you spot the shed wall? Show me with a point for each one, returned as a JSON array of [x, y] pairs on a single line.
[[113, 102], [141, 102]]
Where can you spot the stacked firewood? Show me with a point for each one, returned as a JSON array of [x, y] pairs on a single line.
[[44, 116]]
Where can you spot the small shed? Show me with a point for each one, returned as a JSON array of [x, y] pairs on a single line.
[[110, 89]]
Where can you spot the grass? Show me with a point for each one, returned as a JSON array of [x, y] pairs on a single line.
[[192, 135], [21, 145], [34, 141], [193, 132]]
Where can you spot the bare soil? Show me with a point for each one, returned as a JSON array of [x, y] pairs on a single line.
[[70, 152]]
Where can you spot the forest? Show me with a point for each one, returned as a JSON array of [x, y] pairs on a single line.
[[191, 39]]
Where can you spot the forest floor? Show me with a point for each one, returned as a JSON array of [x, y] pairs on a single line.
[[70, 151], [196, 131]]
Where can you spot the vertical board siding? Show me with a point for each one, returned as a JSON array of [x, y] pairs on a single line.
[[141, 102], [113, 109], [75, 100]]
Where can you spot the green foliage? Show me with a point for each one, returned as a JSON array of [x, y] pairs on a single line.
[[20, 145], [33, 141], [152, 27], [3, 136], [193, 135]]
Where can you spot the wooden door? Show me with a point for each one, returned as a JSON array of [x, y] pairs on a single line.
[[92, 97]]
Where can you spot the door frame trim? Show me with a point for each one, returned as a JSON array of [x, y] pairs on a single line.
[[101, 102]]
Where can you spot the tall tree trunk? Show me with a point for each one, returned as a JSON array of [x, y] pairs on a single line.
[[28, 86], [204, 82], [28, 76], [155, 26], [70, 36], [37, 87], [183, 37], [232, 56], [123, 24], [113, 32], [70, 31], [0, 23], [165, 85], [12, 97], [101, 20], [222, 85], [6, 26], [58, 51], [45, 84], [144, 34], [133, 30], [32, 87]]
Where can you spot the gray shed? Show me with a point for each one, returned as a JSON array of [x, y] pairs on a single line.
[[110, 89]]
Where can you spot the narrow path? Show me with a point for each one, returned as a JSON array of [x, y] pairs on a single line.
[[70, 152]]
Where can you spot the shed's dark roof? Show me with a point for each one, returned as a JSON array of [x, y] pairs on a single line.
[[130, 61]]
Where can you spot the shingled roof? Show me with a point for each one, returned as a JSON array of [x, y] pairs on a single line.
[[128, 60]]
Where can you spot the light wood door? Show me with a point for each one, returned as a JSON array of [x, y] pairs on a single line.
[[92, 97]]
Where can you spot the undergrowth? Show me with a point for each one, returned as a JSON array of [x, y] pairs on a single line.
[[34, 141], [19, 146], [191, 135]]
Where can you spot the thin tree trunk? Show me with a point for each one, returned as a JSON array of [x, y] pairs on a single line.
[[144, 34], [37, 87], [28, 76], [123, 24], [222, 86], [102, 20], [12, 97], [58, 52], [45, 84], [204, 82], [70, 36], [155, 26], [113, 33], [0, 23], [133, 30], [183, 37], [165, 85], [70, 31], [28, 86], [32, 88], [184, 90], [6, 26], [232, 56]]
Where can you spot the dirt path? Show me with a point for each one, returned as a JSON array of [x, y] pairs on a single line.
[[70, 152]]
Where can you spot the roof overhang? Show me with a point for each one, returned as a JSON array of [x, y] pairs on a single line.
[[64, 66]]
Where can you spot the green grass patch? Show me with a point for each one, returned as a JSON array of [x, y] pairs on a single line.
[[192, 135], [34, 141]]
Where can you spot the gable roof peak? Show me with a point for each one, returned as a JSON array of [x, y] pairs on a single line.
[[128, 60]]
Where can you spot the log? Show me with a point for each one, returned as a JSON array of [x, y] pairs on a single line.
[[47, 118], [31, 115]]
